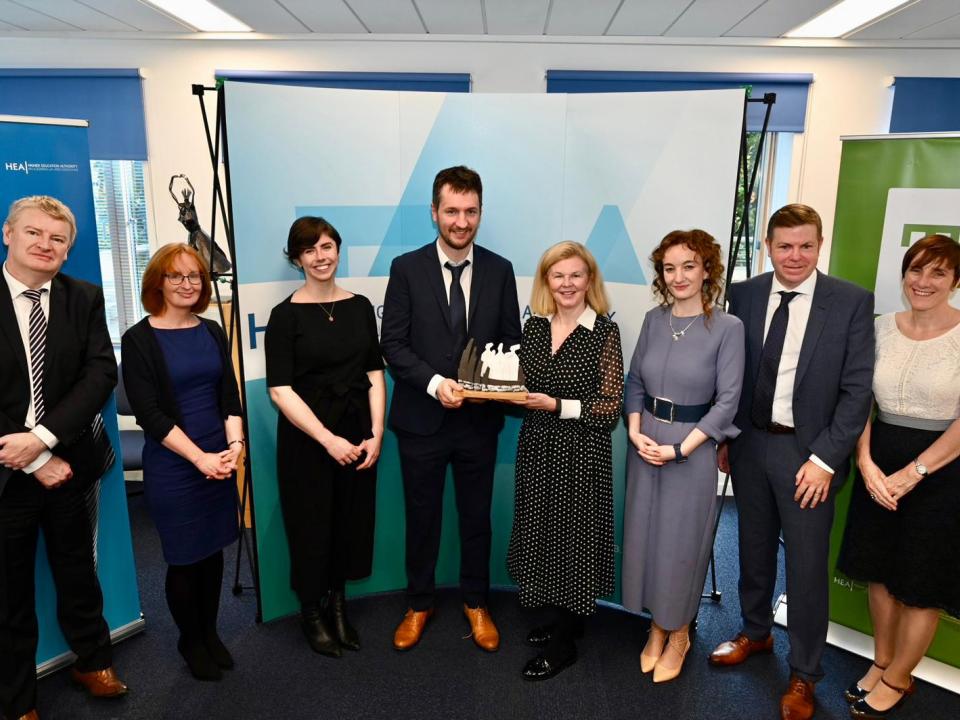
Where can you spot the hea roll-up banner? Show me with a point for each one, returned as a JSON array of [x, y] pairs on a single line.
[[892, 191], [616, 172], [43, 156]]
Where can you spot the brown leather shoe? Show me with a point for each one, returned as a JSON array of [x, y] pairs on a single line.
[[32, 715], [797, 702], [734, 652], [411, 628], [100, 683], [485, 633]]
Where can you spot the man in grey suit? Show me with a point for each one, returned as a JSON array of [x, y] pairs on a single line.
[[806, 397]]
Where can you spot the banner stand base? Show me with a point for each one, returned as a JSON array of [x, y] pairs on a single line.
[[933, 671], [59, 662]]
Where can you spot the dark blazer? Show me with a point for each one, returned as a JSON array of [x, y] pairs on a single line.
[[832, 392], [80, 373], [417, 341], [147, 379]]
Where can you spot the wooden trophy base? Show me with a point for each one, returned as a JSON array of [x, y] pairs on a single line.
[[504, 396]]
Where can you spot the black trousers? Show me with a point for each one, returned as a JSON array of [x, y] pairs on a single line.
[[764, 475], [26, 507], [424, 461]]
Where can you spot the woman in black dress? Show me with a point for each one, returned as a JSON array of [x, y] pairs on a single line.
[[179, 379], [325, 374], [903, 527], [561, 547]]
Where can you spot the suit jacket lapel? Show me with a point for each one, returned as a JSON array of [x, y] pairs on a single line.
[[11, 330], [476, 283], [758, 319], [56, 324], [434, 278], [819, 311]]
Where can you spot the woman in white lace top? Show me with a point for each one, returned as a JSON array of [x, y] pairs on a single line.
[[903, 529]]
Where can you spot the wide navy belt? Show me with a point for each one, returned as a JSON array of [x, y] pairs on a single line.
[[667, 411]]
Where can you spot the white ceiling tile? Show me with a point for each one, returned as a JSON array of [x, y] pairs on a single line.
[[776, 17], [948, 29], [138, 15], [516, 17], [325, 16], [393, 16], [264, 16], [452, 17], [910, 20], [20, 16], [78, 14], [711, 18], [646, 17], [575, 17]]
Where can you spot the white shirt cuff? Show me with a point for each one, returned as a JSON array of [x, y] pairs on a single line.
[[433, 385], [817, 461], [47, 437], [569, 409], [41, 460]]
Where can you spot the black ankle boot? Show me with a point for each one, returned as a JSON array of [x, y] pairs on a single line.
[[201, 665], [338, 615], [217, 650], [318, 634]]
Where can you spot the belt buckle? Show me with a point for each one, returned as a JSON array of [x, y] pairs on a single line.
[[656, 407]]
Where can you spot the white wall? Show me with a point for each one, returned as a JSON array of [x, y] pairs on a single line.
[[850, 94]]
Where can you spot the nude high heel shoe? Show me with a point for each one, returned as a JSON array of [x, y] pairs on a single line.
[[680, 642], [657, 639]]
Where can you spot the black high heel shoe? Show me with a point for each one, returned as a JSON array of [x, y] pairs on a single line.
[[346, 633], [862, 710], [855, 692]]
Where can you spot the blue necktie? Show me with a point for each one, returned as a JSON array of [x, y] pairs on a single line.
[[761, 411]]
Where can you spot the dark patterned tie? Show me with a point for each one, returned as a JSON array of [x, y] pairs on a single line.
[[762, 408], [458, 305], [38, 350]]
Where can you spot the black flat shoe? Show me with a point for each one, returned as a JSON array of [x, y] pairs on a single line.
[[855, 692], [346, 634], [201, 665], [539, 668], [862, 710], [217, 650]]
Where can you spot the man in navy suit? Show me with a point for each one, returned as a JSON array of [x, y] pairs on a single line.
[[437, 297], [805, 401], [58, 369]]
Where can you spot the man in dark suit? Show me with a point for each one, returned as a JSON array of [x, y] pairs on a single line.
[[58, 369], [436, 298], [806, 398]]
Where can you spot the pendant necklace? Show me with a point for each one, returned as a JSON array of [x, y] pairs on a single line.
[[677, 334], [328, 312]]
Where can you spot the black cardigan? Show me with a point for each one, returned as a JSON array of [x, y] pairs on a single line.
[[148, 385]]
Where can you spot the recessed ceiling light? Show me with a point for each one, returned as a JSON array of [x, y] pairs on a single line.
[[845, 16], [202, 15]]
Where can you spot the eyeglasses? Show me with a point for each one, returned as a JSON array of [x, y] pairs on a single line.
[[177, 278]]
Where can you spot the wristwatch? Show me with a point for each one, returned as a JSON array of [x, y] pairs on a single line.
[[680, 458], [920, 468]]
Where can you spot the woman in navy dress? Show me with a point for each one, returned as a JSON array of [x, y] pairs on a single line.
[[325, 374], [179, 379]]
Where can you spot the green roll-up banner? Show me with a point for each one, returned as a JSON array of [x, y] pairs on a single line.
[[893, 190]]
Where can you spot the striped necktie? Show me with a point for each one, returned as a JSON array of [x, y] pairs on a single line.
[[38, 350]]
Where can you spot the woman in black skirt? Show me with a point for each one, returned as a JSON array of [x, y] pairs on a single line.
[[325, 374], [903, 530]]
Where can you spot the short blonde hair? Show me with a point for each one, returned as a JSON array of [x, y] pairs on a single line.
[[45, 204], [541, 299]]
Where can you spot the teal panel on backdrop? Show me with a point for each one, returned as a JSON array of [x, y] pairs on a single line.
[[51, 159]]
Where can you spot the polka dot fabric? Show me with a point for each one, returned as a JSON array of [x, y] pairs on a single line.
[[561, 547]]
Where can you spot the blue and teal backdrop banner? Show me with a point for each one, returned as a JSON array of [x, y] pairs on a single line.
[[51, 157], [615, 171]]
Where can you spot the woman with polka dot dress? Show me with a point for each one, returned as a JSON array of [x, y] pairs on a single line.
[[561, 547]]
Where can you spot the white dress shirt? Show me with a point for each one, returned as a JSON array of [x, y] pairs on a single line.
[[799, 314], [22, 307], [466, 280]]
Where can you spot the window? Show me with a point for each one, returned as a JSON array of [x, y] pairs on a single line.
[[119, 202]]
